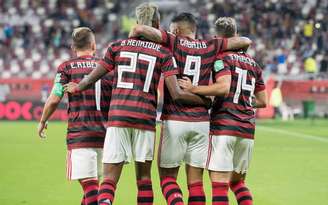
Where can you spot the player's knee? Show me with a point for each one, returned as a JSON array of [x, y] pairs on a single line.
[[171, 172], [143, 170], [218, 176], [236, 177], [194, 174]]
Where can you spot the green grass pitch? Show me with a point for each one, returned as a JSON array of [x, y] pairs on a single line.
[[289, 167]]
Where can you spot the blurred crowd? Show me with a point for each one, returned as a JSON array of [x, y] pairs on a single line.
[[290, 36]]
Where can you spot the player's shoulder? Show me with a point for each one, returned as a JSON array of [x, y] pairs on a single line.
[[254, 61], [164, 50], [115, 43], [64, 64], [226, 55]]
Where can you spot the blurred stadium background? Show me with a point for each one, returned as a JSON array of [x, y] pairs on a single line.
[[289, 38]]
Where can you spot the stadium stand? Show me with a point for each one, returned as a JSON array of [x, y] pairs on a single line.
[[288, 35]]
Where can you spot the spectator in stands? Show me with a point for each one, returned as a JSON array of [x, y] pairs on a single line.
[[276, 99], [324, 64], [298, 28], [310, 65]]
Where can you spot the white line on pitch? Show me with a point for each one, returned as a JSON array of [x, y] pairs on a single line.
[[294, 134]]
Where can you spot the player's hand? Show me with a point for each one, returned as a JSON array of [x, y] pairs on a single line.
[[71, 87], [185, 83], [41, 129], [207, 102]]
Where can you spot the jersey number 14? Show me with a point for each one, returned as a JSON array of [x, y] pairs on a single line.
[[242, 85]]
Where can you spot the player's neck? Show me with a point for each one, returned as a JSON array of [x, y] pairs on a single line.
[[189, 35], [84, 53]]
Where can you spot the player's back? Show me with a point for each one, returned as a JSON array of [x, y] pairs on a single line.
[[87, 110], [235, 115], [194, 58], [138, 65]]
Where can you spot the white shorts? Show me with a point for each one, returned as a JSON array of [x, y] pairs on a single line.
[[127, 144], [84, 163], [183, 142], [229, 153]]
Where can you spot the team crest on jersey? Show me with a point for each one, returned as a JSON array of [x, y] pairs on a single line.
[[218, 65]]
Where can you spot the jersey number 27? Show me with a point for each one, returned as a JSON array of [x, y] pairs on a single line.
[[134, 57]]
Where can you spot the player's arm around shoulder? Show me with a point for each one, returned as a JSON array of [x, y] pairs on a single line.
[[148, 32], [221, 85], [237, 43]]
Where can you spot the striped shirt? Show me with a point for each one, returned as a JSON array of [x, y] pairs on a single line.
[[194, 59], [234, 115], [87, 110], [137, 66]]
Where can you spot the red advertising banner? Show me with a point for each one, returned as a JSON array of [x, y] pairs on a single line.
[[15, 110], [23, 99], [301, 90], [25, 89]]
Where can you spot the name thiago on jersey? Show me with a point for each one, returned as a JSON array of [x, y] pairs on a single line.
[[243, 59]]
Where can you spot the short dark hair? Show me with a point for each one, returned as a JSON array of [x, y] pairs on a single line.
[[185, 17], [226, 26], [82, 38]]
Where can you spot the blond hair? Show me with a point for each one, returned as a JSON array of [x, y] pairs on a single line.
[[82, 38], [226, 26], [147, 14]]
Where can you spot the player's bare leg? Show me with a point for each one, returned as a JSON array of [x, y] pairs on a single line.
[[170, 187], [238, 186], [220, 187], [195, 185], [112, 173], [170, 172], [90, 188], [143, 176]]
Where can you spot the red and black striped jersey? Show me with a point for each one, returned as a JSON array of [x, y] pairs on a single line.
[[234, 115], [194, 59], [137, 65], [87, 110]]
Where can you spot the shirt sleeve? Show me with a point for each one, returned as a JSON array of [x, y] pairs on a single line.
[[259, 84], [61, 79], [220, 68], [168, 67], [168, 39], [108, 60]]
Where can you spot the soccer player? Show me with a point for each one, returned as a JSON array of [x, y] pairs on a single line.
[[87, 111], [181, 134], [238, 89], [138, 65]]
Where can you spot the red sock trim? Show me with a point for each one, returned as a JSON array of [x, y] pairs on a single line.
[[220, 193], [196, 194], [242, 193], [145, 192], [90, 188], [171, 191], [106, 192]]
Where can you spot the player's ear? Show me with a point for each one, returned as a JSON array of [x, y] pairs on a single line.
[[73, 48], [93, 46], [157, 24], [177, 31]]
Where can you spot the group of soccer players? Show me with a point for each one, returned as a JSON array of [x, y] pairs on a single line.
[[121, 90]]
